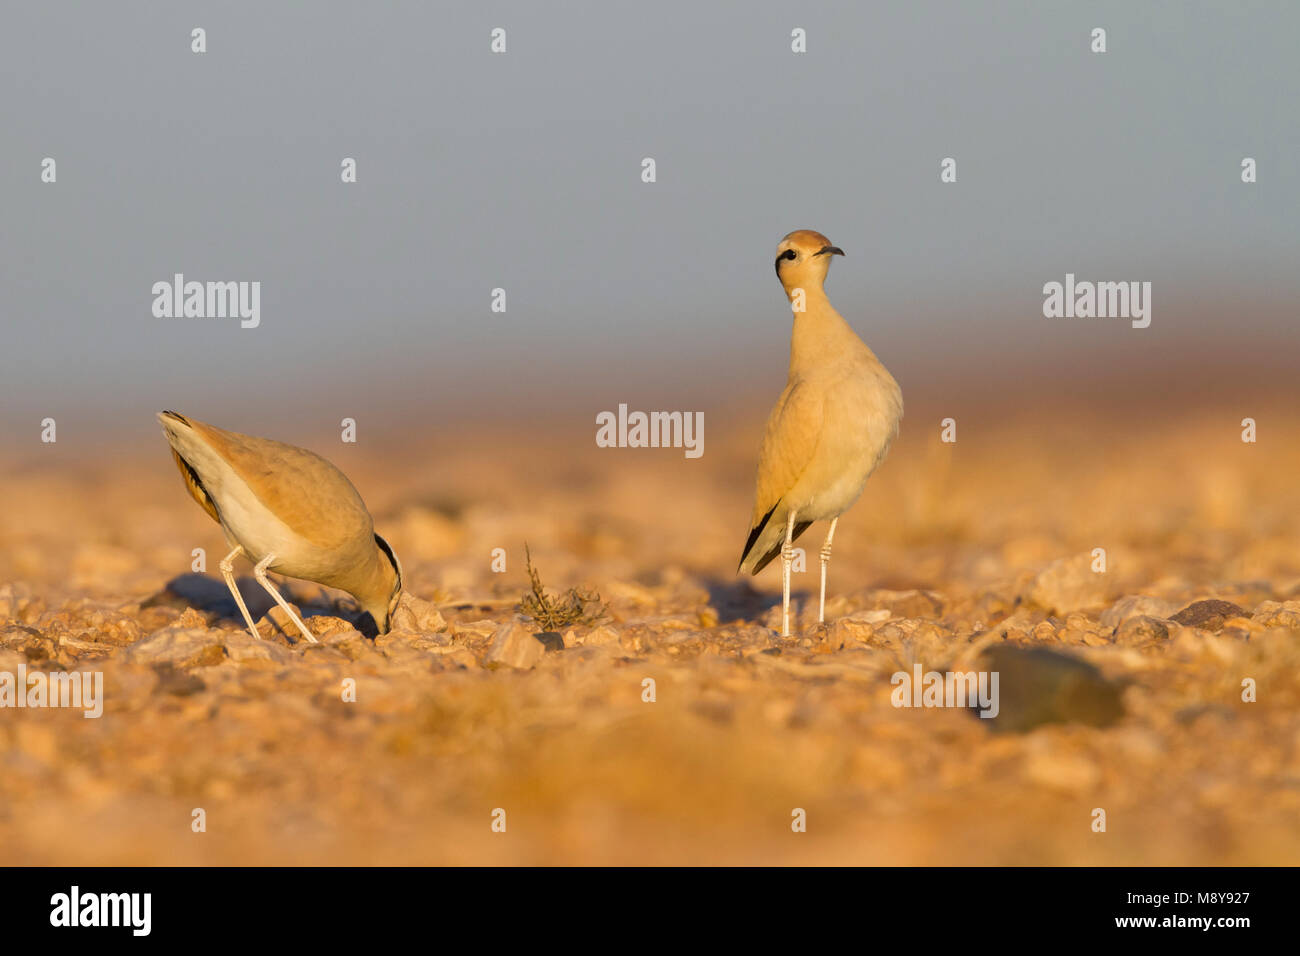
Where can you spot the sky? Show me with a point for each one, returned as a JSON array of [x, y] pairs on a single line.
[[523, 171]]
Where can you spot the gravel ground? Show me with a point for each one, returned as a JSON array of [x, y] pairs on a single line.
[[470, 740]]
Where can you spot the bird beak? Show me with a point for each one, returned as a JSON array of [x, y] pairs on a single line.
[[830, 250]]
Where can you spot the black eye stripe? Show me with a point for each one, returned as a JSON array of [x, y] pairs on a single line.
[[788, 254]]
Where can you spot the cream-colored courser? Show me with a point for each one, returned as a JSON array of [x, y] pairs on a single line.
[[831, 426], [287, 510]]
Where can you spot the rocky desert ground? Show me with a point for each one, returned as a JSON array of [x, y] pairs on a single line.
[[1122, 687]]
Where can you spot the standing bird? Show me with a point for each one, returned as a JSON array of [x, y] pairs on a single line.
[[287, 510], [831, 426]]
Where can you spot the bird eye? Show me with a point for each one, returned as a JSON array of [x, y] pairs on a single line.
[[789, 254]]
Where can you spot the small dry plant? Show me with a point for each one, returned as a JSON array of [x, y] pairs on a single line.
[[574, 606]]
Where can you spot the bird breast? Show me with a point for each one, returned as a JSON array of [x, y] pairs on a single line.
[[861, 413]]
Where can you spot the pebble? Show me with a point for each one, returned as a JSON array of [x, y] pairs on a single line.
[[1137, 605], [1141, 630], [1208, 615], [180, 647], [1069, 584], [1273, 614], [1038, 685], [416, 614], [515, 644]]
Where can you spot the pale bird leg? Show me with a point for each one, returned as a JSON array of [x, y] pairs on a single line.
[[787, 556], [259, 572], [826, 559], [228, 572]]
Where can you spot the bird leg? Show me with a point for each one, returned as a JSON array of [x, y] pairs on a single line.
[[787, 556], [228, 572], [259, 572], [826, 559]]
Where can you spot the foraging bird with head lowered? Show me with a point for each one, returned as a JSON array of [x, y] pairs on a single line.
[[831, 427], [287, 510]]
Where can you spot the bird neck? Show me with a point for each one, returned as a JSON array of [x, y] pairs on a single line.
[[819, 332], [376, 588]]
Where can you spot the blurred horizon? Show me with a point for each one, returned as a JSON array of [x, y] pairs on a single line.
[[522, 171]]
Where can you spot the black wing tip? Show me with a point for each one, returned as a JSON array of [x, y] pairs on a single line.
[[799, 528], [754, 532]]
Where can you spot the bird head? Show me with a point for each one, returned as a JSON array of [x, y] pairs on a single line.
[[803, 258], [382, 598]]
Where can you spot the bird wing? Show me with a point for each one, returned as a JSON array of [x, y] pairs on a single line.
[[293, 482], [195, 486], [789, 445]]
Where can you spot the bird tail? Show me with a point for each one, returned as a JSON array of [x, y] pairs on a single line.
[[766, 538]]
